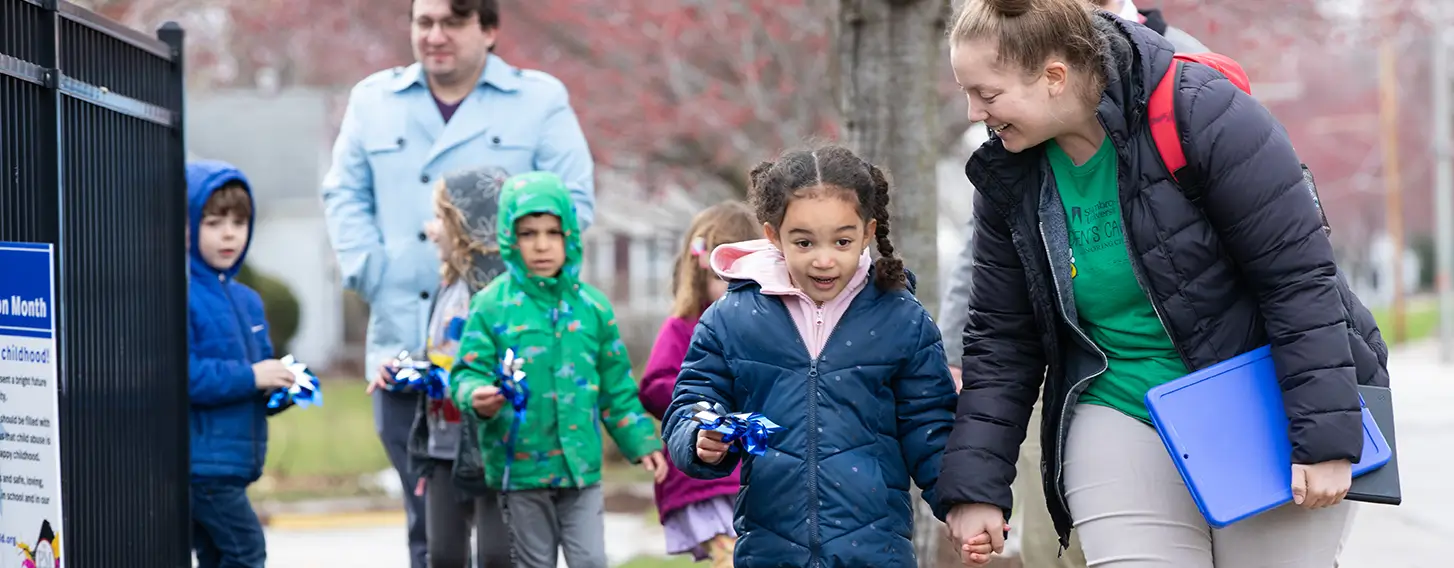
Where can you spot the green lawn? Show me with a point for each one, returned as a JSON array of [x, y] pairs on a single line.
[[1421, 320], [650, 562], [322, 450]]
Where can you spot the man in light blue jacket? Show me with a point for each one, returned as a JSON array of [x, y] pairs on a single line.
[[459, 106]]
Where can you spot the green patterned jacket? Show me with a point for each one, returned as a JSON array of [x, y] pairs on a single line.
[[575, 363]]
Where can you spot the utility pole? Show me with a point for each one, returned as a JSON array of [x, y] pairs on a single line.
[[1444, 182], [1393, 193]]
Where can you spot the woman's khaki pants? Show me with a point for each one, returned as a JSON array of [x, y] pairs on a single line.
[[1132, 509]]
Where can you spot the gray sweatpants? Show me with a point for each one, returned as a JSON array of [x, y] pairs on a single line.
[[543, 521], [1132, 508]]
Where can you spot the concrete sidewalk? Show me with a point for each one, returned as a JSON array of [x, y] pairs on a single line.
[[369, 532], [1417, 533], [377, 540]]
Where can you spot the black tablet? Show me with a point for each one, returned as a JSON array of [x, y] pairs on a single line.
[[1380, 485]]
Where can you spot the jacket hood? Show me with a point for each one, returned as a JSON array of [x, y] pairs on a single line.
[[527, 194], [476, 194], [204, 178], [761, 262], [1137, 59], [755, 261]]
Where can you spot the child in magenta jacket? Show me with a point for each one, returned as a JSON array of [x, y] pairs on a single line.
[[697, 514]]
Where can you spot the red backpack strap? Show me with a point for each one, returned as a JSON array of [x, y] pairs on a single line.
[[1227, 66], [1161, 110]]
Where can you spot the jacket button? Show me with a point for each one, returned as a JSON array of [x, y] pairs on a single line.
[[424, 178], [423, 237], [399, 142], [424, 295], [495, 140]]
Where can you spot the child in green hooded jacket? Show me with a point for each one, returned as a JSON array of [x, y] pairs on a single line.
[[577, 373]]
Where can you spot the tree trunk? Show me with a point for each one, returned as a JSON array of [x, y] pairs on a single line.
[[888, 54]]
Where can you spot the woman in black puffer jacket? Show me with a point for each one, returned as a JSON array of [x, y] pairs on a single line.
[[1096, 272]]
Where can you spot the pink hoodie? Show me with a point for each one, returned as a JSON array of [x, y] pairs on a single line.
[[761, 262]]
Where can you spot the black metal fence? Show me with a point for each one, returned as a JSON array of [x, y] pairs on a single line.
[[92, 161]]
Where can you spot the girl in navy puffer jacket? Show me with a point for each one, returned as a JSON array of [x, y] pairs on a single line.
[[834, 348]]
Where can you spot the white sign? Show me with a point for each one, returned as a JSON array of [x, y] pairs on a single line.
[[30, 457]]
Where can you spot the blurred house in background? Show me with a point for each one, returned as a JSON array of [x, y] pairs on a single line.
[[630, 250], [281, 141]]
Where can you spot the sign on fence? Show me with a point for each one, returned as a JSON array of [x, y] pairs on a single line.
[[30, 457]]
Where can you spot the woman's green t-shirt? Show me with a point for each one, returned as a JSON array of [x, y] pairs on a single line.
[[1114, 311]]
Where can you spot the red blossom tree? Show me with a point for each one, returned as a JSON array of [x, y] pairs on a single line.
[[679, 93], [312, 43], [1319, 63], [685, 92]]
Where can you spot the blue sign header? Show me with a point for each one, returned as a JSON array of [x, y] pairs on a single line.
[[27, 306]]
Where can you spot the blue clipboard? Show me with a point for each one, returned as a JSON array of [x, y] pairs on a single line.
[[1226, 430]]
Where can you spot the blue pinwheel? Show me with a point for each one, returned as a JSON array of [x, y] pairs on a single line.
[[510, 379], [419, 376], [750, 431], [305, 391]]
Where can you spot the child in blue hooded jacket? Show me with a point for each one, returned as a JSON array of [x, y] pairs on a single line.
[[232, 370]]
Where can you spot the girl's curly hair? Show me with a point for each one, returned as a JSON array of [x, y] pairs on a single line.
[[800, 174]]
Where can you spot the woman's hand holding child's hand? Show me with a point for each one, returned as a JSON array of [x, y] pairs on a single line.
[[710, 447], [487, 401], [979, 529], [271, 374], [1321, 485], [655, 463], [385, 377]]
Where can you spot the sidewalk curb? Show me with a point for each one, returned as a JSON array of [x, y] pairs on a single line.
[[330, 513], [328, 521], [383, 511]]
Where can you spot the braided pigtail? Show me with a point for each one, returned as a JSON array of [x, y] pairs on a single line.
[[768, 202], [890, 272]]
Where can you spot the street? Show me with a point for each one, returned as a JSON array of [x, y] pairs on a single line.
[[1413, 535]]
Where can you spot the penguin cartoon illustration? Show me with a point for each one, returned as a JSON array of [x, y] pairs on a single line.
[[47, 548]]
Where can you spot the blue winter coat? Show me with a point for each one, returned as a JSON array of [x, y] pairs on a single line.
[[226, 334], [873, 409]]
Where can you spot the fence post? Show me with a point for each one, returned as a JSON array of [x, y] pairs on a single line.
[[49, 131], [172, 34]]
